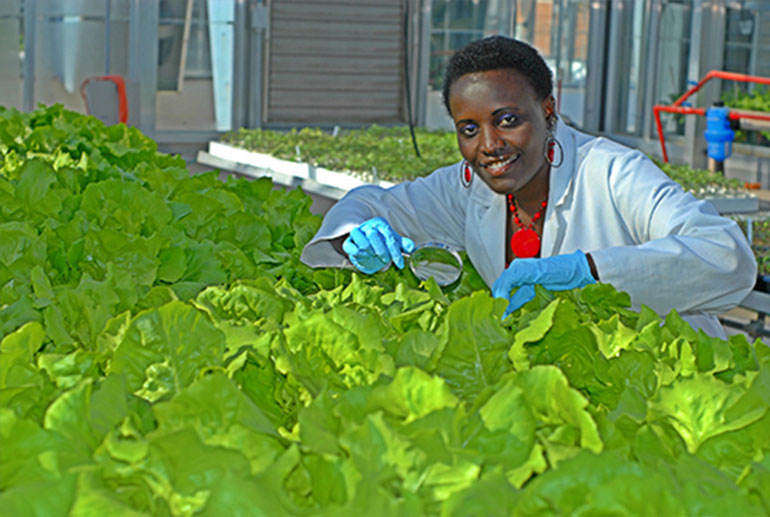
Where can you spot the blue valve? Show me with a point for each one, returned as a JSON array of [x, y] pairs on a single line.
[[719, 134]]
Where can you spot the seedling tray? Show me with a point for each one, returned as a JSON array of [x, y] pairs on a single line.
[[333, 184], [734, 204]]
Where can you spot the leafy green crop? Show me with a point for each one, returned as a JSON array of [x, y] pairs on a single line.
[[384, 153], [701, 182], [756, 100], [389, 152], [164, 352]]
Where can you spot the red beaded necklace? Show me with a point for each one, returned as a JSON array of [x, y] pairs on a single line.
[[525, 243]]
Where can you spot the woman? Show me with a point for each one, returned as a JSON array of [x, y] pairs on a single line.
[[536, 202]]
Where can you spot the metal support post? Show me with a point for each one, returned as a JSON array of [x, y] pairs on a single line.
[[30, 12], [259, 16]]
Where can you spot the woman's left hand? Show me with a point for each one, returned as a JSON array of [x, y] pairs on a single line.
[[558, 273]]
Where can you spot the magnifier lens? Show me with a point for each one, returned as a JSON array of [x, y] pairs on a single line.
[[437, 260]]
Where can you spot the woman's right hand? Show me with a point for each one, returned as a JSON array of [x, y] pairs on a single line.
[[374, 244]]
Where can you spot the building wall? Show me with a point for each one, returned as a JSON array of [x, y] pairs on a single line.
[[337, 62]]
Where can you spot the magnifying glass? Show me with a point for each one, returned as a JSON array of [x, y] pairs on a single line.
[[437, 260]]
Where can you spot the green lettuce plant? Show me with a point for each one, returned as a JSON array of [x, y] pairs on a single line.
[[164, 352], [758, 99], [374, 152]]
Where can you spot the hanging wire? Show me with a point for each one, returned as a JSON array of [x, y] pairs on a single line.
[[407, 79]]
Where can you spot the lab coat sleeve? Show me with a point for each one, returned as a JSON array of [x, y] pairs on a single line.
[[689, 258], [426, 209]]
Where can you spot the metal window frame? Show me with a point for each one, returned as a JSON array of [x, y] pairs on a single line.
[[707, 40], [614, 47], [422, 58], [256, 33], [654, 14], [30, 47], [615, 110], [596, 66], [143, 19], [706, 54], [143, 60]]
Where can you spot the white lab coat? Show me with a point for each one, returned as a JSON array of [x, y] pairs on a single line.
[[647, 236]]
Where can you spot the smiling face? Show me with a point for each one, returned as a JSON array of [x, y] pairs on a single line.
[[501, 129]]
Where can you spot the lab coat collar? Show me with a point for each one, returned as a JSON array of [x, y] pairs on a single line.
[[488, 254], [561, 176]]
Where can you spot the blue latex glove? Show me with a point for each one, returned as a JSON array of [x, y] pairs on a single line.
[[374, 244], [558, 273]]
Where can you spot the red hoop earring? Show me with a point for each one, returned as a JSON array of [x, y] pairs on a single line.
[[466, 174], [550, 147]]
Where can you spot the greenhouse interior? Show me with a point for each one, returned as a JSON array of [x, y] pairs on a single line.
[[268, 257]]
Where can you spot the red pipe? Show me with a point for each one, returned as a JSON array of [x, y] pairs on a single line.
[[656, 112], [719, 74], [736, 115], [122, 100], [677, 107], [732, 76], [685, 110], [120, 84]]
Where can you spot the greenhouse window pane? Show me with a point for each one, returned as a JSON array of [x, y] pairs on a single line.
[[673, 58]]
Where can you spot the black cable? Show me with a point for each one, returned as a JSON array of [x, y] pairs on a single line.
[[406, 79]]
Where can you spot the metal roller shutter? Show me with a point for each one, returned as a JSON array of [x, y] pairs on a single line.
[[335, 62]]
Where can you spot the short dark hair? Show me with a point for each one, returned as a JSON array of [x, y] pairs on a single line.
[[495, 53]]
